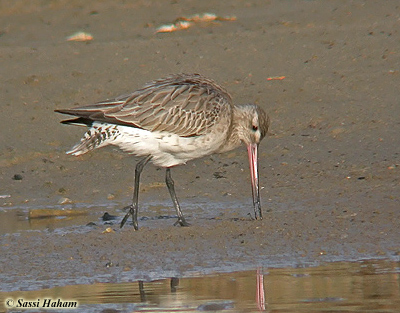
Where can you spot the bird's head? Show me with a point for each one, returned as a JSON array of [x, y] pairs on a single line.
[[253, 124]]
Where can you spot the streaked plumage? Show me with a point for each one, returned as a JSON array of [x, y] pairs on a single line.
[[171, 121]]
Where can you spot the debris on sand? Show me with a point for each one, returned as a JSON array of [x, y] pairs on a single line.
[[108, 230], [46, 213], [80, 36], [167, 28], [276, 78], [186, 22]]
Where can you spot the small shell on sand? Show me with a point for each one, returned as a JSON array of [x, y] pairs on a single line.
[[186, 22], [80, 36], [173, 27], [108, 230]]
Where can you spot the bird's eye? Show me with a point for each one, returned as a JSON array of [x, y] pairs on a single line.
[[255, 128]]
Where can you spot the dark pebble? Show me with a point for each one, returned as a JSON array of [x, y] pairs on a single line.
[[17, 177]]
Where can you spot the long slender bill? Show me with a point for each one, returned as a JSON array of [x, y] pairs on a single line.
[[253, 161]]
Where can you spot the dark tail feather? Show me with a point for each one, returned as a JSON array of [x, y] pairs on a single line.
[[80, 121]]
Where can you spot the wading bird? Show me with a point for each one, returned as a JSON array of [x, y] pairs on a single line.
[[171, 121]]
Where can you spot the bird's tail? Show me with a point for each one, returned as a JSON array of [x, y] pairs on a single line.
[[99, 135], [90, 141]]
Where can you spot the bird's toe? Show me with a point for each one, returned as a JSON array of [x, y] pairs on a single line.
[[181, 222]]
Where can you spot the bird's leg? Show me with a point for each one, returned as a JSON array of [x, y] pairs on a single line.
[[133, 208], [170, 184]]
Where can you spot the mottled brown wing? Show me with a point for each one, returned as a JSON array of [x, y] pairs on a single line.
[[186, 105]]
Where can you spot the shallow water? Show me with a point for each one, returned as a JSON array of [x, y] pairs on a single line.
[[366, 286], [14, 219]]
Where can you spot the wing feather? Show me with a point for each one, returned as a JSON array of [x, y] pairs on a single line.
[[185, 104]]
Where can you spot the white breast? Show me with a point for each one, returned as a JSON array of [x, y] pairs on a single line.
[[167, 149]]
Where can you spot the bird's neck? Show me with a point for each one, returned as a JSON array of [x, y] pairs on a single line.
[[233, 140]]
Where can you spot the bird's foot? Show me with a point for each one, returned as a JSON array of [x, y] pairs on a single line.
[[255, 218], [131, 211], [182, 222]]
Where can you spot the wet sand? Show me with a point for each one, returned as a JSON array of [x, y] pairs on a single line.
[[329, 167]]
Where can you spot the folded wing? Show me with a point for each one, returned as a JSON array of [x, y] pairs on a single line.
[[186, 105]]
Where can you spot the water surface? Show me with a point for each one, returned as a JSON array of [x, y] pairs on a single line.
[[366, 286]]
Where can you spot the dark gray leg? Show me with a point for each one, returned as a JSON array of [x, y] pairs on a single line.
[[133, 208], [170, 184]]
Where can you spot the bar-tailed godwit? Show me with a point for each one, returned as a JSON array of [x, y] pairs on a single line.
[[169, 122]]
